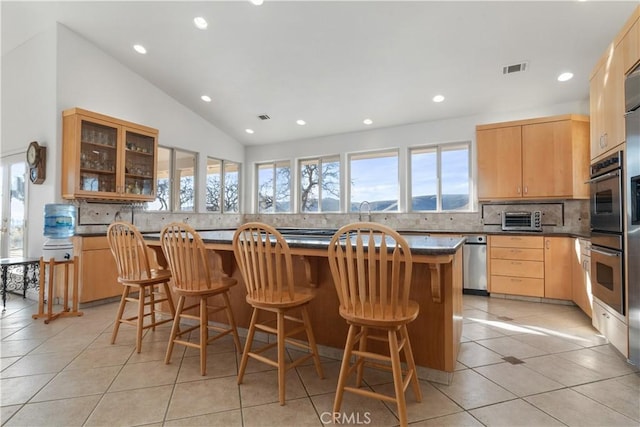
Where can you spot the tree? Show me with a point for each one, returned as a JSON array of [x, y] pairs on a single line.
[[310, 182]]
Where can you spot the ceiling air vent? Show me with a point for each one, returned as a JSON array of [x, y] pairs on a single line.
[[515, 68], [263, 117]]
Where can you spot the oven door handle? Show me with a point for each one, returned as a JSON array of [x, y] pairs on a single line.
[[605, 252], [603, 177]]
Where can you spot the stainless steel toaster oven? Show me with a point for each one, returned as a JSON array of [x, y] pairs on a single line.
[[522, 221]]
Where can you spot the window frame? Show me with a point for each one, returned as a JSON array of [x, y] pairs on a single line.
[[439, 148], [173, 204], [372, 154], [274, 166], [320, 160], [223, 164]]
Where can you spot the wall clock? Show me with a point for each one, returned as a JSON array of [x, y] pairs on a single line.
[[36, 158]]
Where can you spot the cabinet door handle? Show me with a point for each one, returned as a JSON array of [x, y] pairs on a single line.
[[526, 189], [518, 189], [516, 280], [516, 263], [547, 244]]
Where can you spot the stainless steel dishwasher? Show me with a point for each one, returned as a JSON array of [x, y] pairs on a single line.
[[474, 254]]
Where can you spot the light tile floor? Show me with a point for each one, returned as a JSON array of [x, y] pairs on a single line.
[[67, 374]]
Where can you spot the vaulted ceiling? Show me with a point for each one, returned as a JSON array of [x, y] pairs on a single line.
[[335, 63]]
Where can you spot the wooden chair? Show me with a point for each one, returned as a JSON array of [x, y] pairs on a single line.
[[135, 274], [193, 278], [264, 259], [371, 267]]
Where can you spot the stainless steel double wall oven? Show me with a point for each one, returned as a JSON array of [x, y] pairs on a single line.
[[607, 232]]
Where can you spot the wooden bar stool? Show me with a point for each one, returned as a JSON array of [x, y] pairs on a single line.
[[136, 275], [264, 259], [66, 310], [371, 267], [193, 278]]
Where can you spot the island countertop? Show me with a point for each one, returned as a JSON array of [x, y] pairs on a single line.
[[317, 239]]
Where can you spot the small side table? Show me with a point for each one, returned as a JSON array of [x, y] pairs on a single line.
[[66, 311], [26, 264]]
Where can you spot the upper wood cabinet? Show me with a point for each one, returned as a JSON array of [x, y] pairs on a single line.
[[106, 158], [606, 88], [534, 159], [606, 102], [631, 47]]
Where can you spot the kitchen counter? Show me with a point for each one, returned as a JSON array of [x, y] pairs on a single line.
[[436, 286], [319, 239]]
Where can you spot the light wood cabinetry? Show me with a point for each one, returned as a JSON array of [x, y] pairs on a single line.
[[581, 283], [534, 159], [106, 158], [533, 266], [606, 88], [558, 271], [607, 103], [503, 145], [516, 265], [98, 274], [631, 47]]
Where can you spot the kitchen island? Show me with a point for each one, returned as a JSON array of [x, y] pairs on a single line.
[[436, 286]]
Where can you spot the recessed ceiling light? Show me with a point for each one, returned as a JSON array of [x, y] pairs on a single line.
[[438, 98], [367, 121], [257, 2], [565, 76], [248, 130], [206, 98], [140, 49], [301, 122], [200, 22]]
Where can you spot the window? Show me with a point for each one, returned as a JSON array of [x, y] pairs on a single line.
[[374, 179], [222, 192], [231, 184], [274, 187], [175, 166], [163, 183], [185, 168], [440, 178], [320, 184]]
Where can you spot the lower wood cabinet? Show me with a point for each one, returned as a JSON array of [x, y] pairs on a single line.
[[98, 274], [558, 271], [516, 265], [534, 266]]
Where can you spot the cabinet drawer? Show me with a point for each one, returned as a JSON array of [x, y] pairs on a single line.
[[611, 327], [518, 254], [505, 267], [517, 286], [517, 241], [94, 243]]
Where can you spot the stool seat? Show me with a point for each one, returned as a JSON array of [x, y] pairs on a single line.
[[193, 278], [140, 281]]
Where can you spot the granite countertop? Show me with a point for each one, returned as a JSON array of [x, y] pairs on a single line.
[[420, 244], [319, 232]]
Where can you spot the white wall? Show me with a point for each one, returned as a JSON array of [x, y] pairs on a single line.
[[442, 131], [28, 114], [57, 70]]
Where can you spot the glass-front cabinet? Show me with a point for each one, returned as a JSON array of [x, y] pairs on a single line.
[[107, 158]]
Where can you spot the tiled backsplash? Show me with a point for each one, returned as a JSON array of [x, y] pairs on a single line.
[[569, 216]]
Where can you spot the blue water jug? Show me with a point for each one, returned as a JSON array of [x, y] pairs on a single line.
[[59, 220]]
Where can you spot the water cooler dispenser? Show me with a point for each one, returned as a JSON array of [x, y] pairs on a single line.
[[59, 227]]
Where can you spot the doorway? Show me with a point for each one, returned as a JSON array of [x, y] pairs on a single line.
[[13, 208]]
